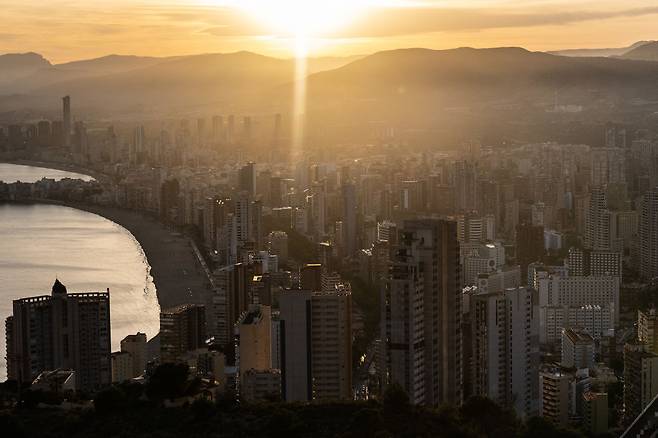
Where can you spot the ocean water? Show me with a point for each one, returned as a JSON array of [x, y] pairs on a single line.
[[39, 243]]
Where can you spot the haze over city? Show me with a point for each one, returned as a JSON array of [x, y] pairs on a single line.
[[335, 218]]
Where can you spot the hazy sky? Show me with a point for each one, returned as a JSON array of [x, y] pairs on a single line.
[[64, 30]]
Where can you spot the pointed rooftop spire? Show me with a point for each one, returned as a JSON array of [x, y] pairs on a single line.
[[58, 288]]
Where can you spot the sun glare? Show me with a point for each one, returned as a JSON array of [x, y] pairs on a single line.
[[302, 22], [304, 18]]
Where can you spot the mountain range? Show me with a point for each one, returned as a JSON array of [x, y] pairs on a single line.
[[383, 83]]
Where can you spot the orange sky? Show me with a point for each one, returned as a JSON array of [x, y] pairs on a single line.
[[64, 30]]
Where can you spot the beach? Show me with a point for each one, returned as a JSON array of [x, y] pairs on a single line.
[[178, 276]]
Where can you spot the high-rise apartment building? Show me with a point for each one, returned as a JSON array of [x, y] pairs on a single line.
[[182, 329], [640, 379], [505, 348], [430, 246], [555, 392], [474, 228], [595, 412], [316, 344], [349, 219], [564, 299], [296, 345], [647, 329], [247, 179], [466, 195], [594, 262], [61, 330], [577, 349], [529, 246], [310, 277], [255, 339], [331, 343], [402, 325], [217, 129], [136, 345], [597, 221], [67, 125], [648, 234]]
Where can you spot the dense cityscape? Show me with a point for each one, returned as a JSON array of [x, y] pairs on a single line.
[[410, 242], [524, 275]]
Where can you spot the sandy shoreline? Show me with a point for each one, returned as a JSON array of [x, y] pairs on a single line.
[[176, 272], [177, 275]]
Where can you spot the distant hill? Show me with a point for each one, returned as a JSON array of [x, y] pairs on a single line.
[[619, 51], [16, 65], [189, 80], [106, 65], [499, 73], [646, 52], [112, 64]]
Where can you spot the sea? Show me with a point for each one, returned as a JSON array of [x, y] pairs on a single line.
[[86, 252]]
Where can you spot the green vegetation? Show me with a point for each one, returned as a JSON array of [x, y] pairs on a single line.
[[130, 416]]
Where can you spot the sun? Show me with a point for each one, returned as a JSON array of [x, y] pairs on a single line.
[[304, 18]]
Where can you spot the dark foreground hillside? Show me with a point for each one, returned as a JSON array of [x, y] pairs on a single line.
[[117, 417]]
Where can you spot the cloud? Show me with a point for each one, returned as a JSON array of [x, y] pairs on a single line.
[[398, 21]]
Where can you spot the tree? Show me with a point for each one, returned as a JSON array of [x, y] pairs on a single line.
[[396, 400], [203, 409], [109, 400], [168, 381], [538, 427], [489, 418], [367, 422]]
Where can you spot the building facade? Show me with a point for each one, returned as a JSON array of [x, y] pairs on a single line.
[[62, 330]]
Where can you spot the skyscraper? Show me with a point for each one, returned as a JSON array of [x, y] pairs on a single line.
[[597, 221], [505, 349], [136, 345], [66, 114], [310, 277], [247, 178], [61, 330], [402, 326], [466, 174], [529, 246], [431, 246], [217, 129], [331, 343], [182, 329], [296, 347], [349, 219], [255, 339], [230, 130], [647, 329], [649, 235], [640, 379], [247, 133], [316, 344]]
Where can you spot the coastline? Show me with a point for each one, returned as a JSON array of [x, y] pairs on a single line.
[[98, 176], [177, 274]]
